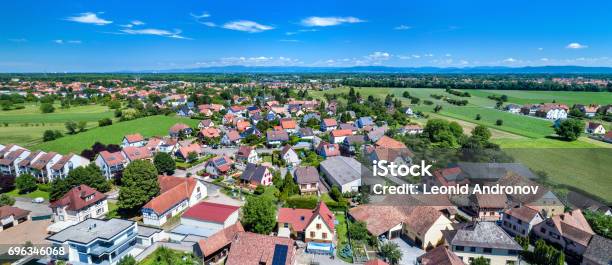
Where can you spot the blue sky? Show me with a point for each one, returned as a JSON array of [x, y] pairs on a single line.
[[111, 35]]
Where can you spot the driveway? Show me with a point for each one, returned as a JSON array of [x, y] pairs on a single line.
[[37, 209], [33, 231], [409, 252]]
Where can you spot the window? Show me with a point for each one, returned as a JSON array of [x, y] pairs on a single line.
[[318, 226], [324, 235], [459, 248], [286, 225], [487, 250], [472, 249], [543, 230], [312, 234]]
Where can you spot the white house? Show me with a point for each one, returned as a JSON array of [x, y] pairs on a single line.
[[66, 164], [290, 157], [520, 220], [78, 204], [341, 171], [176, 195], [595, 128], [111, 163], [247, 154], [135, 140], [212, 216]]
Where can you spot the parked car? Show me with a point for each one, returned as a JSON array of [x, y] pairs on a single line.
[[38, 200]]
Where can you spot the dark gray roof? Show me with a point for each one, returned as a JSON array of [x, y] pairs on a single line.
[[91, 229], [305, 132], [277, 136], [253, 172], [599, 250], [354, 139], [147, 231], [484, 235], [304, 175]]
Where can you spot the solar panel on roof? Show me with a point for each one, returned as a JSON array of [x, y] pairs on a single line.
[[280, 254]]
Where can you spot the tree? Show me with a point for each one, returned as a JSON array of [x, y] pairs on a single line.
[[335, 193], [6, 200], [259, 215], [192, 156], [49, 135], [26, 183], [71, 126], [59, 187], [105, 122], [482, 133], [570, 129], [601, 223], [437, 108], [81, 125], [90, 175], [391, 252], [127, 260], [480, 261], [164, 163], [47, 108], [499, 122], [478, 117], [139, 185], [358, 231]]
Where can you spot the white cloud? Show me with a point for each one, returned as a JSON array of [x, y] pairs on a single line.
[[209, 24], [247, 26], [510, 60], [544, 59], [289, 33], [67, 41], [254, 61], [576, 45], [133, 23], [329, 21], [540, 49], [402, 27], [200, 16], [176, 34], [89, 18], [379, 56], [59, 41]]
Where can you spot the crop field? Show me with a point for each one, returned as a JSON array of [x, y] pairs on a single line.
[[577, 164], [148, 126], [26, 126]]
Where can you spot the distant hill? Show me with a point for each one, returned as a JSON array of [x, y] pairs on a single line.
[[388, 69]]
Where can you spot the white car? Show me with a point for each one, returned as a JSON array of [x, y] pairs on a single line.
[[38, 200]]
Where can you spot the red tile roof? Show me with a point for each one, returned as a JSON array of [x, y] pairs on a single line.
[[178, 127], [220, 239], [17, 213], [376, 262], [173, 190], [134, 138], [137, 153], [210, 132], [440, 256], [112, 159], [254, 249], [340, 133], [330, 122], [76, 198], [288, 124], [574, 226], [301, 218], [389, 142], [210, 212]]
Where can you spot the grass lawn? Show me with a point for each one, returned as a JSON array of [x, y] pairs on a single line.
[[148, 126], [530, 97], [35, 194], [166, 256], [112, 210], [26, 126], [342, 234]]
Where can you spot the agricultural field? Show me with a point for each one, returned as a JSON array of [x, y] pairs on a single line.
[[26, 126], [529, 140], [148, 126]]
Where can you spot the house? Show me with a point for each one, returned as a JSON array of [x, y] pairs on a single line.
[[329, 124], [341, 171], [133, 140], [228, 119], [178, 129], [409, 111], [423, 225], [440, 255], [529, 109], [306, 133], [216, 247], [184, 151], [288, 125], [376, 132], [552, 111], [219, 165], [290, 156], [599, 252], [544, 201], [66, 164], [24, 164], [375, 262], [568, 230], [411, 129], [326, 149], [95, 241], [307, 178], [513, 108], [111, 164], [247, 154], [590, 110], [78, 204], [309, 225], [364, 121], [397, 156], [595, 128], [351, 144], [9, 165], [484, 239], [276, 138], [255, 249], [12, 216], [583, 202], [209, 133], [169, 145], [243, 125], [519, 221], [210, 216], [206, 124], [176, 194], [231, 137], [133, 153], [389, 143], [608, 137], [255, 175], [237, 110], [41, 167], [337, 136], [487, 207]]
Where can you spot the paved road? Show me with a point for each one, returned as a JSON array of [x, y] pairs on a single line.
[[37, 209]]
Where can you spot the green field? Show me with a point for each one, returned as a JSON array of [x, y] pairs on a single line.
[[578, 164], [26, 126], [148, 126]]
